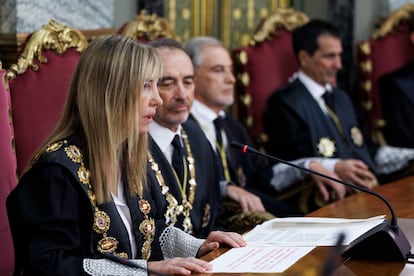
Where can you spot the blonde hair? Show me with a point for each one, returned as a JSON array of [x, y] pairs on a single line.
[[103, 108]]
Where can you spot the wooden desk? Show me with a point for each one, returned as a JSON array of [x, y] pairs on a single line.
[[361, 205]]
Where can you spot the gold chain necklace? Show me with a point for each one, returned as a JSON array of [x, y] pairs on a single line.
[[174, 209], [102, 220]]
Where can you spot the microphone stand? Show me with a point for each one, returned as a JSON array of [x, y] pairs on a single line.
[[385, 242]]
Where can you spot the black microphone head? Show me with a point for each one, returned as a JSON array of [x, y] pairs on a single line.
[[237, 145]]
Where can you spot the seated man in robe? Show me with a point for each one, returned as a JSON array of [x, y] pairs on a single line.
[[188, 188], [312, 117]]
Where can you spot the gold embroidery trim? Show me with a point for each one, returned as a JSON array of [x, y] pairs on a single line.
[[102, 220]]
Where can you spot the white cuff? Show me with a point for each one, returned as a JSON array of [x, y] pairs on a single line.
[[176, 243], [105, 267]]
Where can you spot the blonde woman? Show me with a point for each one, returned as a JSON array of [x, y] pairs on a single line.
[[83, 206]]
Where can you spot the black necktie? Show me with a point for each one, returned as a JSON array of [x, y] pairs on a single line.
[[218, 125], [177, 157], [329, 100], [221, 150]]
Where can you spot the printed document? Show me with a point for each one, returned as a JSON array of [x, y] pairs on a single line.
[[277, 244], [258, 259], [309, 231]]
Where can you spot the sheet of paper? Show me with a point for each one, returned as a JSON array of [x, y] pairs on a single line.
[[309, 231], [258, 259]]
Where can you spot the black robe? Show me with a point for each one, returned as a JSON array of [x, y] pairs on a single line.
[[207, 200], [51, 218], [298, 128]]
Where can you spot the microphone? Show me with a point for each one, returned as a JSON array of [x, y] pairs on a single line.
[[333, 258], [386, 241]]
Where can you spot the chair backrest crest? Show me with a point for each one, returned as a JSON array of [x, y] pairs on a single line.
[[387, 49], [148, 27], [393, 21], [287, 18], [52, 36]]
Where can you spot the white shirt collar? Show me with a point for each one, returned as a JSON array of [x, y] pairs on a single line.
[[315, 89], [163, 137], [205, 117]]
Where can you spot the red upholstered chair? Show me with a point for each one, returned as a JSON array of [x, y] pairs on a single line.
[[387, 49], [264, 66], [145, 27], [8, 176], [39, 82]]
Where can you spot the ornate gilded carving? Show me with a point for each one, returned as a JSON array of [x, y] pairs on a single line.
[[148, 27], [52, 36], [365, 48], [378, 137], [245, 78], [263, 138], [246, 99], [243, 57], [249, 121], [393, 20], [367, 85], [380, 123], [367, 105], [287, 18], [366, 66]]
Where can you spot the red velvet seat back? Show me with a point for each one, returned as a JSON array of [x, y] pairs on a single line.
[[38, 99], [264, 66], [8, 176], [38, 96], [388, 49]]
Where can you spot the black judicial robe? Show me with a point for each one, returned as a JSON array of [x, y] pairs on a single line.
[[250, 171], [207, 200], [397, 103], [51, 218], [297, 127]]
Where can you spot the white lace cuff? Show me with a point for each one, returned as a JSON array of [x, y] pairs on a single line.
[[285, 176], [105, 267], [391, 159], [176, 243]]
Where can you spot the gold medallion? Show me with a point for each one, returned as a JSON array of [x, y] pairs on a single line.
[[107, 245], [147, 226], [101, 222], [54, 146], [187, 225], [144, 206], [74, 153], [356, 136], [83, 175], [122, 255], [326, 147]]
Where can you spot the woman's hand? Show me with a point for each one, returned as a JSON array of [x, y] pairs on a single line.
[[179, 266], [216, 237]]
